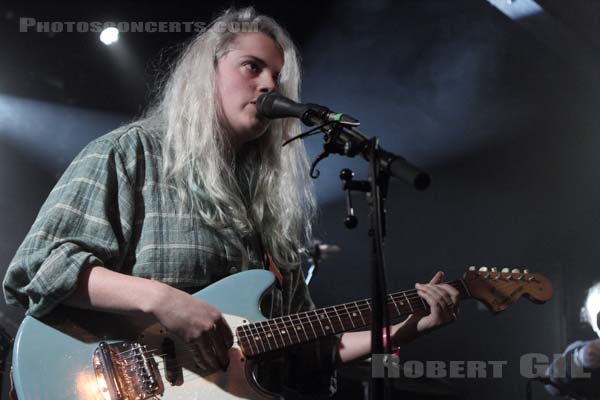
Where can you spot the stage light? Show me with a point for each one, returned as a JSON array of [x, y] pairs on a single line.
[[109, 35], [517, 9]]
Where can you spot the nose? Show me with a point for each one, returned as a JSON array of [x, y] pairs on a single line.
[[267, 83]]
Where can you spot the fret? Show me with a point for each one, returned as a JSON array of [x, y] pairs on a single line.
[[282, 330], [349, 316], [396, 305], [424, 303], [293, 327], [268, 334], [399, 299], [412, 310], [325, 317], [360, 313], [319, 319], [465, 287], [256, 336], [301, 325], [271, 333], [342, 326], [311, 325], [249, 339]]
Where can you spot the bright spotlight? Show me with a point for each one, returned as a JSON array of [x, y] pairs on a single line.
[[109, 35]]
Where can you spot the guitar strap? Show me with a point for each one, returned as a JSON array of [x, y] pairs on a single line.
[[268, 262]]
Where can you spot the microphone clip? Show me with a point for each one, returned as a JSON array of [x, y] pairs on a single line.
[[333, 144]]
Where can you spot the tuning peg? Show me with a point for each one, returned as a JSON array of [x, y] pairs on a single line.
[[483, 269], [494, 269], [525, 271], [516, 271], [472, 268], [505, 270]]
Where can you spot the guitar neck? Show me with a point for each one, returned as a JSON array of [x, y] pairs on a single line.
[[290, 330]]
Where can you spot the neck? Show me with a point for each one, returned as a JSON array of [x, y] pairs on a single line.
[[290, 330]]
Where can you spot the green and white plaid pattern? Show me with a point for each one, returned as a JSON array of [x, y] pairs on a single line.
[[112, 207]]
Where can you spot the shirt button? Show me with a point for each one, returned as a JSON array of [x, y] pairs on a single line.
[[233, 270]]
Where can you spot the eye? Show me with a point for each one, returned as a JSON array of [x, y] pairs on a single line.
[[252, 66]]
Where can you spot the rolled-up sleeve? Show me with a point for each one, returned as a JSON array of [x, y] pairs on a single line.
[[86, 220], [570, 378]]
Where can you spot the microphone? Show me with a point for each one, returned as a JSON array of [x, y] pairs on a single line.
[[273, 105], [350, 141]]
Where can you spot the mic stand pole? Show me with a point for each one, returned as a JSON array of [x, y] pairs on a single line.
[[376, 190], [380, 323]]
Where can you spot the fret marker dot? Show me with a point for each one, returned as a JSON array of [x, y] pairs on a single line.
[[283, 332], [298, 328], [268, 335], [327, 327], [322, 316], [354, 314], [256, 337]]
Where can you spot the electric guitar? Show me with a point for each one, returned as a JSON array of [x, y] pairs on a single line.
[[87, 355]]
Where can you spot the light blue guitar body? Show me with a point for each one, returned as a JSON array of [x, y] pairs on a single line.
[[54, 359], [81, 355]]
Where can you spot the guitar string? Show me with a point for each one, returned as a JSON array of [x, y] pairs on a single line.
[[335, 310], [271, 324], [290, 338], [410, 294], [327, 310], [246, 330], [309, 317]]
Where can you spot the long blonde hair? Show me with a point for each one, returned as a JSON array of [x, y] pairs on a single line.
[[263, 188]]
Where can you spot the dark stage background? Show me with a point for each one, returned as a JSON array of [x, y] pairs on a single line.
[[502, 111]]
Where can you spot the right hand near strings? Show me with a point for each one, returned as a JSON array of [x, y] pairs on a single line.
[[198, 323]]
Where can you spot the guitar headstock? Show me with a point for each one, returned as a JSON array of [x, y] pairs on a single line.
[[500, 289]]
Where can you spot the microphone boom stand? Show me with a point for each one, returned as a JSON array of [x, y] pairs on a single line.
[[346, 140]]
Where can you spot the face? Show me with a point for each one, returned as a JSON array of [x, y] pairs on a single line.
[[250, 68]]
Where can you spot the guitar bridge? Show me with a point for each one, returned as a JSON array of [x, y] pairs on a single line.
[[126, 371]]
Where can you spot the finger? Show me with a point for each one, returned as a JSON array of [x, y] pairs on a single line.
[[219, 347], [451, 295], [437, 278], [452, 291], [440, 293], [224, 331], [438, 309], [434, 305], [206, 352]]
